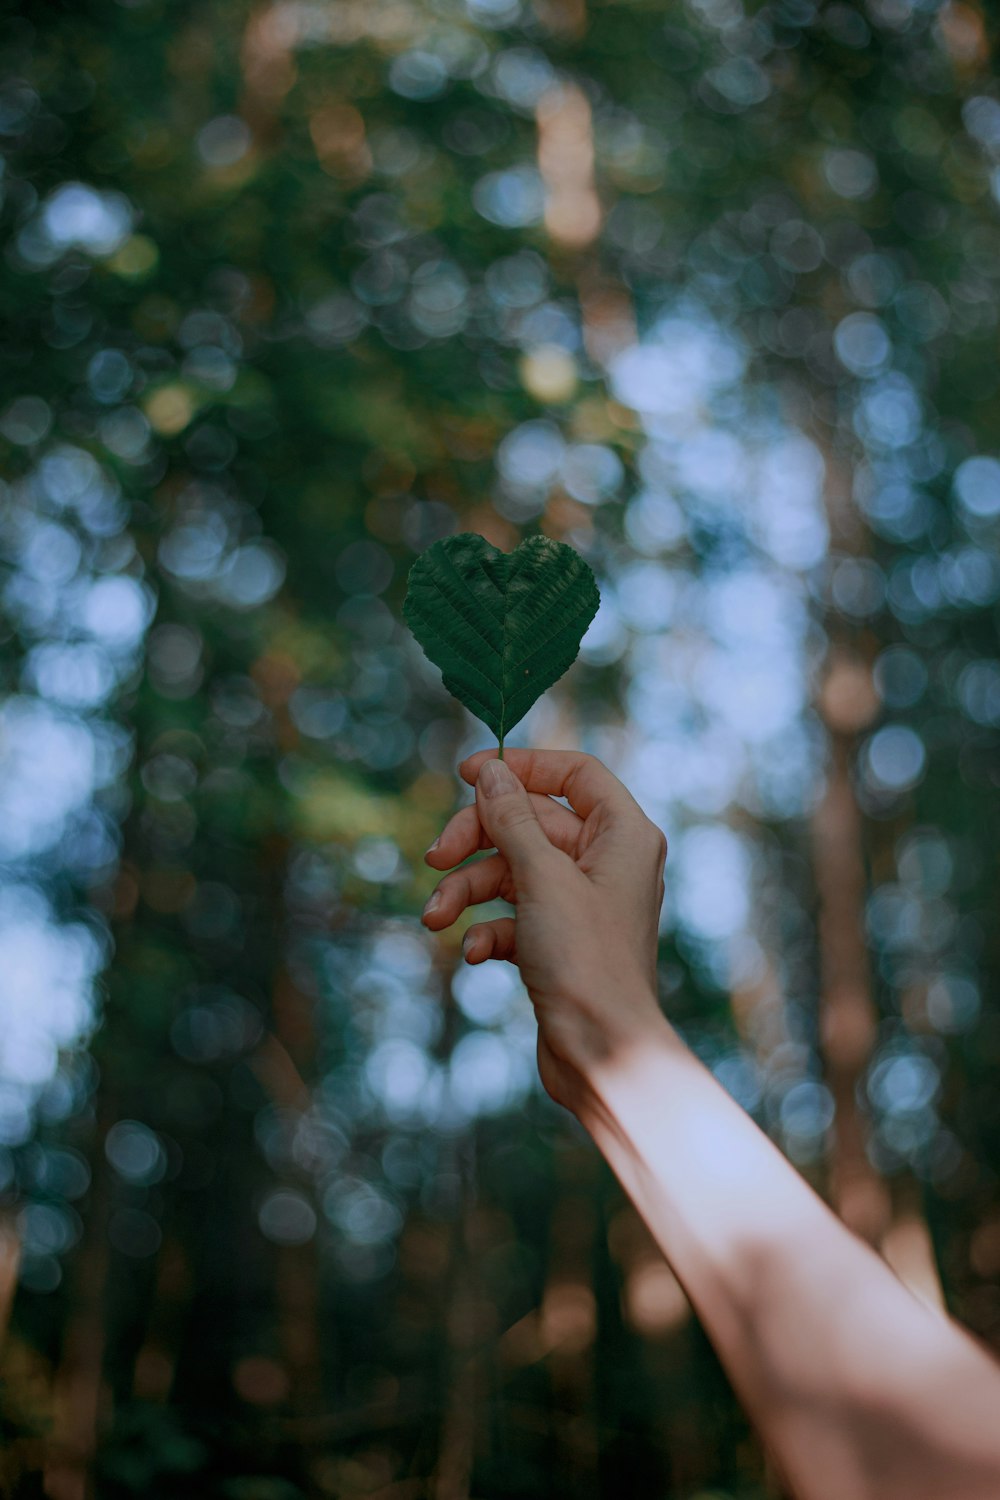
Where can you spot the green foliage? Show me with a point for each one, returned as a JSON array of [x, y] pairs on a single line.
[[343, 321], [502, 627]]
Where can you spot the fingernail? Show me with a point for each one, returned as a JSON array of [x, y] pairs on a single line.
[[467, 942], [495, 777], [431, 847], [433, 901]]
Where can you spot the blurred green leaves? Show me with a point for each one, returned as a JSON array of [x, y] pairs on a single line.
[[285, 304]]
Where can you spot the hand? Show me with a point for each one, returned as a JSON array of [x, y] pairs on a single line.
[[587, 881]]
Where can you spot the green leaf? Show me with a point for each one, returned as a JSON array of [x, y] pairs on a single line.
[[502, 626]]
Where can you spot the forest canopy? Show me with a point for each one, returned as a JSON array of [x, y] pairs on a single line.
[[706, 290]]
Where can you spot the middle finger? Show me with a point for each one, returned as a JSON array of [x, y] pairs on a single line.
[[482, 880]]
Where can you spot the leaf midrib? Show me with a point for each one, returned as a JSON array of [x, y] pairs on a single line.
[[508, 579]]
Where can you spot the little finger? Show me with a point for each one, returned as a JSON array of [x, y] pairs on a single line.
[[491, 940]]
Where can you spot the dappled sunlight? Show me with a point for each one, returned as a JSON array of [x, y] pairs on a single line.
[[707, 292]]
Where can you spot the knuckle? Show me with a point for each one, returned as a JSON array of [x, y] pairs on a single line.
[[514, 816], [596, 770], [656, 841]]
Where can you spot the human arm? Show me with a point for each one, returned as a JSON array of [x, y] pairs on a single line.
[[857, 1388]]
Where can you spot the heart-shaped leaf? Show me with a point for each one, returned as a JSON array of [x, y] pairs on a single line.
[[502, 626]]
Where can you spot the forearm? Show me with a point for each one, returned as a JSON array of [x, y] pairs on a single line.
[[856, 1387]]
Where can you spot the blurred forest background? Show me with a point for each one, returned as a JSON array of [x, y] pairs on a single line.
[[708, 289]]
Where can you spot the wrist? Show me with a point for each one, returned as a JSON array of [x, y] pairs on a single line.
[[644, 1041]]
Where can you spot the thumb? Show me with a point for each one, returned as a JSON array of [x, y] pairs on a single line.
[[506, 813]]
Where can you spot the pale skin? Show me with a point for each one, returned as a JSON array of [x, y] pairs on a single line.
[[858, 1390]]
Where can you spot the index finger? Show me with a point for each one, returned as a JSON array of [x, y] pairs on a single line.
[[582, 779]]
